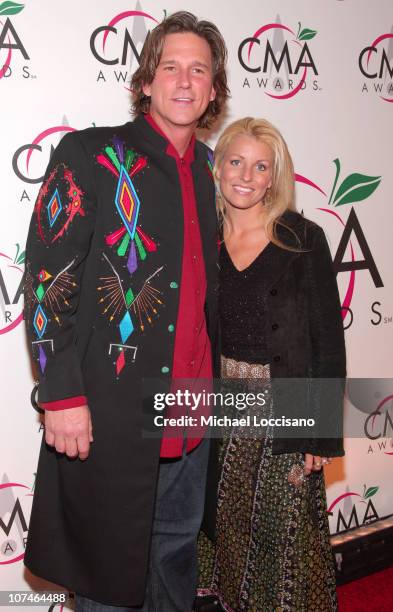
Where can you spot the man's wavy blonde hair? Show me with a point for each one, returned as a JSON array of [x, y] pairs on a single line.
[[181, 22], [282, 191]]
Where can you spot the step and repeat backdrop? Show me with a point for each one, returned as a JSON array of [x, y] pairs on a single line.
[[320, 71]]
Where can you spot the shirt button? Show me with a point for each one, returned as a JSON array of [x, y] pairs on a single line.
[[197, 291], [277, 358], [274, 326], [273, 292], [193, 221], [194, 257], [192, 363]]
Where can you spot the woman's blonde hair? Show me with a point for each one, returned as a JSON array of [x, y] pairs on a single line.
[[282, 191]]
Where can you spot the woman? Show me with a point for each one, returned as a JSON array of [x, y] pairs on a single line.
[[280, 319]]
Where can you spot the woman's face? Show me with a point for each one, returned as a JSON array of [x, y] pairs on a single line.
[[245, 172]]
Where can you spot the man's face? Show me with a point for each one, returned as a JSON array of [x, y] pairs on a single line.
[[183, 83]]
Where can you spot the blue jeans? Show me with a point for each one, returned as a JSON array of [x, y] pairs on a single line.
[[172, 578]]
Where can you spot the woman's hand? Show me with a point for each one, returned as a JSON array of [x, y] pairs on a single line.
[[314, 463]]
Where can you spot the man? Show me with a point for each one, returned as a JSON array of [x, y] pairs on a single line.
[[121, 269]]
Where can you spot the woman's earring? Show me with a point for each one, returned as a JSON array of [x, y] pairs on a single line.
[[267, 198]]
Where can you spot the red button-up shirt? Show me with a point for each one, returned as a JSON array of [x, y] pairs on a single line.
[[192, 352]]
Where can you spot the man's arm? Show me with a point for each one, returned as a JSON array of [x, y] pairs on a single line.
[[57, 246]]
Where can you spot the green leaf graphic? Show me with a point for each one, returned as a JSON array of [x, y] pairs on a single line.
[[11, 8], [370, 492], [307, 34], [21, 258], [17, 252], [338, 170], [355, 189]]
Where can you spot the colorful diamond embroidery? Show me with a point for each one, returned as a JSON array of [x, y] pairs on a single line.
[[40, 292], [54, 208], [120, 362], [132, 263], [42, 359], [129, 297], [40, 321], [134, 241], [126, 327], [127, 201]]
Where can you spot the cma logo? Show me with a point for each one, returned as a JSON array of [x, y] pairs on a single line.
[[374, 62], [374, 398], [350, 189], [23, 156], [376, 65], [15, 508], [10, 41], [279, 60], [112, 45], [379, 424], [353, 229], [353, 509], [268, 56], [11, 290]]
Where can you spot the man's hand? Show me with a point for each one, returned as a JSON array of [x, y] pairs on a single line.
[[69, 431], [314, 463]]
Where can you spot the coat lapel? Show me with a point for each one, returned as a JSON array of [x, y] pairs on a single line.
[[279, 261], [204, 195]]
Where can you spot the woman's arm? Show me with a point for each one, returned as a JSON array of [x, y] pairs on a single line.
[[328, 347]]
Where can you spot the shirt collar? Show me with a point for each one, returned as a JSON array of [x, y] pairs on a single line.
[[188, 156]]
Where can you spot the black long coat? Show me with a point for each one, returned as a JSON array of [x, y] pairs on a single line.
[[305, 338], [101, 308]]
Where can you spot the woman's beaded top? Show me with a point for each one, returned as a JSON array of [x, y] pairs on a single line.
[[242, 304]]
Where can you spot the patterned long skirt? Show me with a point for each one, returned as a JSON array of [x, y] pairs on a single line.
[[272, 551]]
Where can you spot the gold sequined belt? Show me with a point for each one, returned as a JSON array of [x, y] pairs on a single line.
[[230, 368]]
